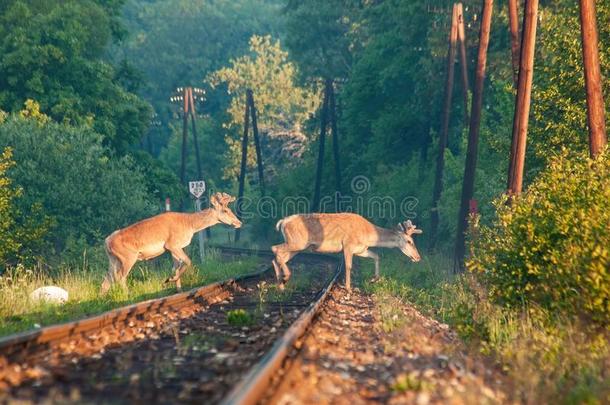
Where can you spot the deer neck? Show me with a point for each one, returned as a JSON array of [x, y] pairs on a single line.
[[386, 238], [203, 219]]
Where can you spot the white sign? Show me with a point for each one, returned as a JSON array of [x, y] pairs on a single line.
[[197, 188]]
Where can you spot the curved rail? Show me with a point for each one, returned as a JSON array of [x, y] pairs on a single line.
[[23, 342], [258, 380]]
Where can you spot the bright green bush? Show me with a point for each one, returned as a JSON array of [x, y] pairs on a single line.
[[551, 246], [74, 180]]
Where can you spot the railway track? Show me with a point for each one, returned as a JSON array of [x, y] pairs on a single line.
[[219, 343]]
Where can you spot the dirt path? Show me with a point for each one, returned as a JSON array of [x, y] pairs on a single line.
[[364, 350]]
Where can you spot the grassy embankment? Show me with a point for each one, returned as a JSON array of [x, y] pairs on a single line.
[[82, 281], [549, 358]]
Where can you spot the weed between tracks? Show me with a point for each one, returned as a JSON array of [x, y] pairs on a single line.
[[18, 313], [549, 358]]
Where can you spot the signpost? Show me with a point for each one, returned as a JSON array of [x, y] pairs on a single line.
[[197, 188]]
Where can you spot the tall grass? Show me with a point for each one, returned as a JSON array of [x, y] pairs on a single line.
[[82, 281], [549, 358]]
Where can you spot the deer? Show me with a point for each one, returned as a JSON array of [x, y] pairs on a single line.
[[334, 233], [169, 231]]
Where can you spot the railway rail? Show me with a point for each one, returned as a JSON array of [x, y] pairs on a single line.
[[220, 343]]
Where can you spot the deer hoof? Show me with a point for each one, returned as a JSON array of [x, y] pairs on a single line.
[[281, 286]]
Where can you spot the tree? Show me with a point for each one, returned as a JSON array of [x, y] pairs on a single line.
[[279, 101], [76, 181], [52, 51]]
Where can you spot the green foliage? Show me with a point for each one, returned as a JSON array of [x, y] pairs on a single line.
[[278, 100], [549, 358], [239, 317], [52, 52], [559, 97], [322, 35], [550, 247], [21, 235], [69, 174], [82, 281]]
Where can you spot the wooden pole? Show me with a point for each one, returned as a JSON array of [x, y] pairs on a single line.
[[335, 135], [593, 82], [185, 107], [463, 58], [242, 171], [442, 141], [473, 136], [257, 145], [195, 141], [208, 231], [522, 102], [323, 122], [513, 23]]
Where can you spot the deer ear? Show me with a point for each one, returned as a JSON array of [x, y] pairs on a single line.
[[401, 228], [215, 201], [408, 224]]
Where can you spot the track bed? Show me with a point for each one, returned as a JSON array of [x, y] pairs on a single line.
[[194, 354]]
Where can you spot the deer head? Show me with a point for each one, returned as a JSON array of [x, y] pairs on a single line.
[[406, 230], [220, 203]]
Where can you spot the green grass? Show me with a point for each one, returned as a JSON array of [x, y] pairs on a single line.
[[82, 281], [549, 358]]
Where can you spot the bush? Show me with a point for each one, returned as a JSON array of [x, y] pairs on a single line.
[[551, 246], [69, 174]]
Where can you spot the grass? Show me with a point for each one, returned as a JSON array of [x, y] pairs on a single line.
[[548, 357], [82, 281]]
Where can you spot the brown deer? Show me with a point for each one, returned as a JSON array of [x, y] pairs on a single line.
[[171, 231], [333, 233]]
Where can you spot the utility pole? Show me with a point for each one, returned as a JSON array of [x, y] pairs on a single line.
[[242, 171], [473, 137], [185, 96], [333, 128], [593, 82], [185, 114], [463, 57], [257, 145], [513, 21], [442, 142], [522, 102], [250, 114], [323, 124]]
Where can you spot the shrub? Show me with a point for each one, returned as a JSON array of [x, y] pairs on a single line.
[[551, 246], [71, 176]]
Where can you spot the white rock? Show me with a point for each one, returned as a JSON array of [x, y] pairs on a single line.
[[50, 294]]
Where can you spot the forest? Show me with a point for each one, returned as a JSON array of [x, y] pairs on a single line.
[[354, 113]]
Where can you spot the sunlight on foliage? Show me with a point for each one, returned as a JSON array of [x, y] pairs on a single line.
[[279, 101]]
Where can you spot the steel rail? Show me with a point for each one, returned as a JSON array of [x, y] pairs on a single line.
[[257, 381], [21, 343]]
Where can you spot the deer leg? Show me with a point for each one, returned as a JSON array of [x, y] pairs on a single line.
[[127, 263], [181, 263], [283, 253], [375, 257], [348, 269], [276, 268], [111, 276]]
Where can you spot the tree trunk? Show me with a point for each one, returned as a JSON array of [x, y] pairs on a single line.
[[522, 103], [442, 142], [595, 100], [473, 136]]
